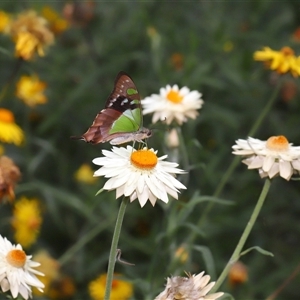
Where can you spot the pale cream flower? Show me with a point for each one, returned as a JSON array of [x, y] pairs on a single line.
[[17, 272], [274, 157], [193, 287], [173, 104], [139, 174]]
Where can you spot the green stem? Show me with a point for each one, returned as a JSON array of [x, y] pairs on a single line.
[[236, 254], [235, 161], [184, 156], [113, 249], [265, 110], [11, 78]]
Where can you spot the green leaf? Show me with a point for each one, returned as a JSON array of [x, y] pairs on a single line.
[[257, 248], [208, 259], [5, 52], [99, 192], [226, 296]]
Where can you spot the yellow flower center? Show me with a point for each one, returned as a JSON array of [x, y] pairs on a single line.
[[6, 116], [16, 258], [287, 51], [144, 159], [174, 96], [277, 143]]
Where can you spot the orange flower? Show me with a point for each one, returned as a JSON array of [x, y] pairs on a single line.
[[177, 60], [238, 274], [10, 132]]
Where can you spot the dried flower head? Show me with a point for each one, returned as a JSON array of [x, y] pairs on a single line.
[[31, 34], [193, 287], [9, 175]]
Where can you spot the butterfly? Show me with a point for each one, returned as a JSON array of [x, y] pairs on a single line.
[[121, 119]]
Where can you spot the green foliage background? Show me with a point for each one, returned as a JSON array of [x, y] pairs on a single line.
[[80, 70]]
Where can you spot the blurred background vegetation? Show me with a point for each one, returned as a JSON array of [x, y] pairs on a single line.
[[205, 45]]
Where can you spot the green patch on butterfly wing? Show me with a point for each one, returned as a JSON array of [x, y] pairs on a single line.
[[129, 121], [131, 91]]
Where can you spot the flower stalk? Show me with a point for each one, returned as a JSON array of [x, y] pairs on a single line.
[[113, 249], [236, 254], [236, 160]]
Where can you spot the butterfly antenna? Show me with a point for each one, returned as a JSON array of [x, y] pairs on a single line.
[[73, 137]]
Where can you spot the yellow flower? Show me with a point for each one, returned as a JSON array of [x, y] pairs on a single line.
[[282, 61], [50, 267], [9, 175], [4, 21], [228, 46], [121, 290], [30, 89], [26, 221], [10, 132], [85, 174], [31, 34], [57, 24], [182, 254]]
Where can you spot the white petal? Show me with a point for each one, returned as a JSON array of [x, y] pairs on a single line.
[[268, 162], [285, 170], [274, 170]]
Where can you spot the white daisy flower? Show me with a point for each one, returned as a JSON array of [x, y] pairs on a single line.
[[173, 103], [274, 157], [139, 174], [16, 270], [193, 287]]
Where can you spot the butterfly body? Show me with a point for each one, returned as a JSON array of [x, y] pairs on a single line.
[[121, 119]]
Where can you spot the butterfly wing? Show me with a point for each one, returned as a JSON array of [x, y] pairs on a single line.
[[122, 112]]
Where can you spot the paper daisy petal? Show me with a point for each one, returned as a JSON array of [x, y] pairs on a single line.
[[173, 104], [139, 174], [16, 270], [274, 157]]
